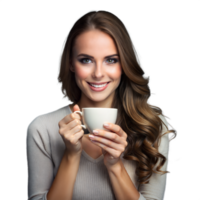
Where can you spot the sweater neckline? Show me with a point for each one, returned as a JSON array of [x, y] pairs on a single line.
[[97, 160]]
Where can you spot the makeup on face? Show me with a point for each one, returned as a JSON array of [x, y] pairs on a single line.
[[97, 66], [98, 87], [84, 57]]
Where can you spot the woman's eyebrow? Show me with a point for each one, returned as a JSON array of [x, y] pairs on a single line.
[[93, 57]]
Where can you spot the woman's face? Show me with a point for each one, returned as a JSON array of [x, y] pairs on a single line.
[[96, 61]]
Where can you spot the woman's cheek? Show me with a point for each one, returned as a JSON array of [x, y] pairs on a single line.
[[82, 73], [115, 72]]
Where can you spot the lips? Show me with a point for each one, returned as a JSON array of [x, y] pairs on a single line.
[[98, 89], [98, 83]]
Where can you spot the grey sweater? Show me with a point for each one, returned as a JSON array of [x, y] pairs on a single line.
[[45, 149]]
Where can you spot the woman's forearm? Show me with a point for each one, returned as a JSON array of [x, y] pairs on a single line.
[[63, 184], [122, 185]]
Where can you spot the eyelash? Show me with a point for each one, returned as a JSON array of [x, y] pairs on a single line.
[[114, 59]]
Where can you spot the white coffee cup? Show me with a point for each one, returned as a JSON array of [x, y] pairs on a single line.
[[94, 118]]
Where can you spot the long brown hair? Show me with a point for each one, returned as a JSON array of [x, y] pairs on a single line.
[[136, 117]]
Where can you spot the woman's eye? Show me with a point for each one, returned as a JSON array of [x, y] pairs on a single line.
[[112, 60], [85, 60]]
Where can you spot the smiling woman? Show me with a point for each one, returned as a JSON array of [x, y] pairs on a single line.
[[129, 159], [89, 44], [97, 79]]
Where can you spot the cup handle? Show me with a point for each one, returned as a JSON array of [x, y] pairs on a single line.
[[81, 116]]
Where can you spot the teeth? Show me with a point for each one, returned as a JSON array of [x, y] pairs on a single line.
[[98, 86]]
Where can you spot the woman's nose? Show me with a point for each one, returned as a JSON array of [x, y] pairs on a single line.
[[98, 70]]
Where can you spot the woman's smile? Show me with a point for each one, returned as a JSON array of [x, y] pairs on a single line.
[[98, 87], [96, 66]]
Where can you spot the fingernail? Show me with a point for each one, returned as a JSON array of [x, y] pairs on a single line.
[[95, 132], [91, 136], [105, 124]]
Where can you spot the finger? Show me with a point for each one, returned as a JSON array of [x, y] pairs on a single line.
[[108, 135], [111, 151], [108, 143], [76, 116], [67, 119], [114, 128]]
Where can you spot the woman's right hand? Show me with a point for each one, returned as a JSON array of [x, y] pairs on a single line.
[[71, 131]]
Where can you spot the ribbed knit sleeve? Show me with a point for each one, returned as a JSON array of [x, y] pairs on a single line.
[[40, 166]]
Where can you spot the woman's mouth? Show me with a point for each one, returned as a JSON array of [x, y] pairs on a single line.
[[99, 87]]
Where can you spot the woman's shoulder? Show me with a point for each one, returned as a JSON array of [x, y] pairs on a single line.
[[163, 118], [49, 120]]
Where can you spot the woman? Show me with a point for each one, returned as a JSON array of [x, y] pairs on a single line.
[[127, 162]]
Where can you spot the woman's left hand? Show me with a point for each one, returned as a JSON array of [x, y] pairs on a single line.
[[113, 143]]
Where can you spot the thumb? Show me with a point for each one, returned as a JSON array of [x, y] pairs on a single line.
[[76, 108]]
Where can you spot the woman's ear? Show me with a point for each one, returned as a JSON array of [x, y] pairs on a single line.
[[71, 66]]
